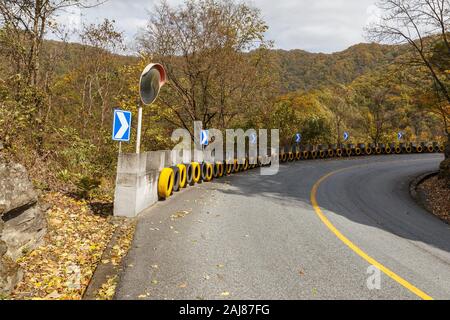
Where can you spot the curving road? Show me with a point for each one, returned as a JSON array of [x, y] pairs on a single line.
[[310, 232]]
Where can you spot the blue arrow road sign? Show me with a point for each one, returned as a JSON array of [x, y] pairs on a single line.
[[346, 136], [253, 138], [400, 135], [204, 137], [121, 126], [298, 138]]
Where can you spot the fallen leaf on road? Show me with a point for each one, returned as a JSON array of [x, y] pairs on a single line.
[[183, 285], [179, 215], [225, 294]]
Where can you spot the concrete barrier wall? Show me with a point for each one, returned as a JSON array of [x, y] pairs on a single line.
[[137, 178], [138, 174], [137, 181]]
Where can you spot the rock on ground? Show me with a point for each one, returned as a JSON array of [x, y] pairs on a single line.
[[22, 222]]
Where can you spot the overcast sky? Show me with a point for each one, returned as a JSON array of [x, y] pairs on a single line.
[[312, 25]]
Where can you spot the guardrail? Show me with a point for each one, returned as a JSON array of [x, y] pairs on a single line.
[[176, 178]]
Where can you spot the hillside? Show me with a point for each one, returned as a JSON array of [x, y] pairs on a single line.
[[298, 69], [303, 70]]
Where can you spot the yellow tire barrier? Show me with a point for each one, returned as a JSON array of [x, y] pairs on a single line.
[[230, 167], [284, 157], [236, 166], [430, 149], [209, 172], [305, 155], [196, 172], [358, 151], [165, 183], [339, 153], [408, 149], [314, 154], [348, 152], [298, 156], [378, 150], [419, 149], [369, 151], [183, 175], [291, 157], [388, 150], [398, 150], [221, 170], [244, 165], [331, 153], [441, 149]]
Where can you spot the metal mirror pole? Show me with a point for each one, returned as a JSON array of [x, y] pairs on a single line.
[[139, 129]]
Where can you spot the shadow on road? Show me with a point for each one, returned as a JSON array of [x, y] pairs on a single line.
[[375, 193]]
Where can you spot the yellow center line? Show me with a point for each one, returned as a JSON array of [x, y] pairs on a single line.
[[354, 247]]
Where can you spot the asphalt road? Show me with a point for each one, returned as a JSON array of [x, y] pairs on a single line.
[[257, 237]]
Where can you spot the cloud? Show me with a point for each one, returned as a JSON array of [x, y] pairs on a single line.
[[312, 25]]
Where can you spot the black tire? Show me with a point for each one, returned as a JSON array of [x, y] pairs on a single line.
[[189, 174], [176, 179], [204, 169]]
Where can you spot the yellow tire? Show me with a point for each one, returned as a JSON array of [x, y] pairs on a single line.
[[358, 151], [197, 172], [183, 175], [441, 149], [165, 183], [245, 165], [220, 169], [209, 172], [230, 167], [236, 166]]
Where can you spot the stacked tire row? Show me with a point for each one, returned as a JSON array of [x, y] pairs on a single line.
[[178, 177], [351, 150]]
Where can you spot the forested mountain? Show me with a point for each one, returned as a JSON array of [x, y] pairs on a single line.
[[301, 70]]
